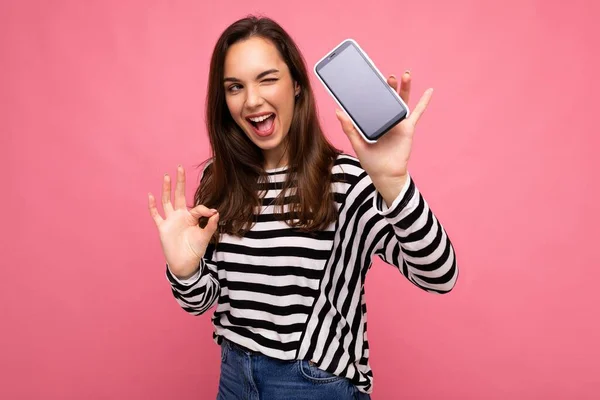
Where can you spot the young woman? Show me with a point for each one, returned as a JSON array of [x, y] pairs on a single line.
[[284, 226]]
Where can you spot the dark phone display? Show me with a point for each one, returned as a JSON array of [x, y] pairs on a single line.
[[364, 95]]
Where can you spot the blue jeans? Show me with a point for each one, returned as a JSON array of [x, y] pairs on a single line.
[[247, 375]]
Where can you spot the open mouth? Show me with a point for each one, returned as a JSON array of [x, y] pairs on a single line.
[[263, 125]]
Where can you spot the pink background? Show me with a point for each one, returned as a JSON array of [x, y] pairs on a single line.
[[100, 98]]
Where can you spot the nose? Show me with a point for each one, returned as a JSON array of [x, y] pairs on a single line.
[[253, 98]]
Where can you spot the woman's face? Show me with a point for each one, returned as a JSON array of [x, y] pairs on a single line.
[[260, 95]]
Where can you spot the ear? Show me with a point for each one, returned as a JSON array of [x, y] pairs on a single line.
[[296, 89]]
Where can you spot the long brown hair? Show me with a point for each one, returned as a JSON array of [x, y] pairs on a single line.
[[230, 182]]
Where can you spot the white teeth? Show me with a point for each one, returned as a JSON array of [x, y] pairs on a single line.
[[259, 119]]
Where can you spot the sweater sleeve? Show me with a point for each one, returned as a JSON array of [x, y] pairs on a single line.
[[198, 293], [417, 244]]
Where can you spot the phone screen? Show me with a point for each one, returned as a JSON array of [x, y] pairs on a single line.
[[365, 96]]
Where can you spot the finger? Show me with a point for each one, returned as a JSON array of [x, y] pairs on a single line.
[[180, 189], [212, 224], [202, 211], [393, 82], [421, 106], [153, 211], [405, 86], [166, 195], [349, 129]]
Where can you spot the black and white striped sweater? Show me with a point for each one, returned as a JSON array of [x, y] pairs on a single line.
[[293, 295]]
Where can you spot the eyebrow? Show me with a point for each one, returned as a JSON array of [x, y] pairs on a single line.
[[261, 75]]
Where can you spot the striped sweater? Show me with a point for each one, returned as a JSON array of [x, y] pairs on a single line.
[[294, 295]]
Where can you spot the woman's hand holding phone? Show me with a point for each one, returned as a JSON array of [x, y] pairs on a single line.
[[386, 161]]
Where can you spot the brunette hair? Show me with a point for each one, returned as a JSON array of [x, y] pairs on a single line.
[[235, 172]]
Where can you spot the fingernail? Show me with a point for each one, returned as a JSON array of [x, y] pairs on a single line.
[[393, 76], [407, 71], [213, 210]]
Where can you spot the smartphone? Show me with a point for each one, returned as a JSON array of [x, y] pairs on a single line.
[[358, 87]]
